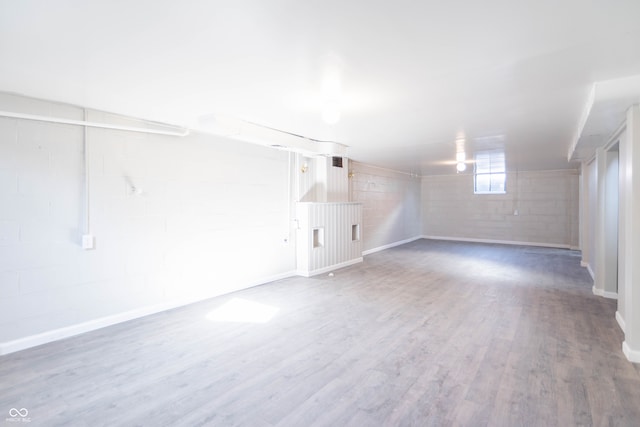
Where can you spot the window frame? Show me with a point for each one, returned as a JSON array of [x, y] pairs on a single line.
[[495, 167]]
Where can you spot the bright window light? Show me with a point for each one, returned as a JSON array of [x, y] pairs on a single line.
[[243, 311], [490, 173]]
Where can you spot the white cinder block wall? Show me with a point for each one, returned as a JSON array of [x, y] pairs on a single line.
[[212, 217], [547, 205], [209, 216], [391, 205]]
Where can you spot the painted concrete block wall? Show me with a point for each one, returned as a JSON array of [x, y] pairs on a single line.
[[391, 204], [208, 216], [546, 202]]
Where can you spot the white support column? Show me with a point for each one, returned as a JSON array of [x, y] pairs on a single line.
[[622, 221], [630, 203], [599, 267], [611, 222], [584, 215]]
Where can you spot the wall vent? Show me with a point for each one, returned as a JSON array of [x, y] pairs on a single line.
[[355, 232]]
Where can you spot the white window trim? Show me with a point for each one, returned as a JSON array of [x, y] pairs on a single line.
[[490, 174], [490, 192]]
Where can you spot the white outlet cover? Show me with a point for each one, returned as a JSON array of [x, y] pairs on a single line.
[[88, 241]]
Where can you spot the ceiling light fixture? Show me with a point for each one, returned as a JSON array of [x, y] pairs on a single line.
[[460, 153]]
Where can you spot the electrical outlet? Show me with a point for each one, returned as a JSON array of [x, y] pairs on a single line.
[[88, 241]]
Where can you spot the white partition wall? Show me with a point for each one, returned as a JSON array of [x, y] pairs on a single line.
[[604, 220], [329, 236], [630, 234]]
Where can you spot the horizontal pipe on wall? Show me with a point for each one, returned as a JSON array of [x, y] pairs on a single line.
[[182, 132]]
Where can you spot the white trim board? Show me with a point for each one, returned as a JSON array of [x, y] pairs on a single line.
[[603, 293], [391, 245], [24, 343], [329, 268], [589, 269], [500, 242], [632, 355], [620, 320]]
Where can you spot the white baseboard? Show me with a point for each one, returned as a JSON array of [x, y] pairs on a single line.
[[269, 279], [102, 322], [632, 355], [591, 273], [329, 268], [603, 293], [500, 242], [390, 245], [620, 320]]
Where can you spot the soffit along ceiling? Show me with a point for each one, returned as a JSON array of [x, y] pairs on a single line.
[[407, 77], [604, 114]]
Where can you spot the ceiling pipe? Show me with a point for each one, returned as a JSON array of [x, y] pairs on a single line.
[[48, 119], [243, 130], [222, 126]]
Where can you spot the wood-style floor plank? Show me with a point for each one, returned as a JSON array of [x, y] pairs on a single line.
[[428, 333]]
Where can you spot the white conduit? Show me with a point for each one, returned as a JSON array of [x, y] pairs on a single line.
[[87, 188], [181, 132], [289, 201]]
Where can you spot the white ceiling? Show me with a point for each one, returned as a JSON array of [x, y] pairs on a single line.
[[409, 76]]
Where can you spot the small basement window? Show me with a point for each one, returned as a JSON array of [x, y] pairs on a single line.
[[490, 174]]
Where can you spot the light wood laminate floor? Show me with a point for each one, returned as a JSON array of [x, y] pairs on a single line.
[[428, 333]]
